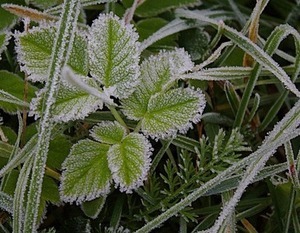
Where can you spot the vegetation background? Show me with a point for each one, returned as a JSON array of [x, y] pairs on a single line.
[[236, 170]]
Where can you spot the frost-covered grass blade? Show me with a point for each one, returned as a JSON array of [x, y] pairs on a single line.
[[248, 46], [61, 51]]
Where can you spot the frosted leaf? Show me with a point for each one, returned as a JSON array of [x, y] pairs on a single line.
[[4, 38], [173, 111], [129, 161], [77, 81], [108, 132], [157, 73], [34, 52], [8, 98], [85, 175], [71, 103], [113, 54]]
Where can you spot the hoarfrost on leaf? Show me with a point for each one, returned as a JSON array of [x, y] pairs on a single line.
[[113, 54], [86, 174], [173, 111], [129, 161], [157, 74], [78, 81], [34, 50], [108, 132], [71, 103]]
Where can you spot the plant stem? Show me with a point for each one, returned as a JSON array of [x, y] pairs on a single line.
[[117, 116]]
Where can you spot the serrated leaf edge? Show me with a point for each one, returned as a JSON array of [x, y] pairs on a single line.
[[130, 86], [196, 118], [147, 159], [81, 198], [105, 124]]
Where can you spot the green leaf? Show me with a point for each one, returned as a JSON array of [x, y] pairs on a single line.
[[11, 92], [129, 161], [71, 103], [59, 148], [173, 111], [155, 7], [4, 38], [85, 175], [113, 54], [157, 75], [50, 191], [94, 207], [34, 50], [108, 132]]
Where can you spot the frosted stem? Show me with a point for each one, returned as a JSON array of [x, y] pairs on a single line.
[[62, 47]]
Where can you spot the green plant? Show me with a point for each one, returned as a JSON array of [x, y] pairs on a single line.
[[107, 100]]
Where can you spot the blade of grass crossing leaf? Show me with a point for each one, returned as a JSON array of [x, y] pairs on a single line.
[[248, 46], [63, 44], [155, 223]]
